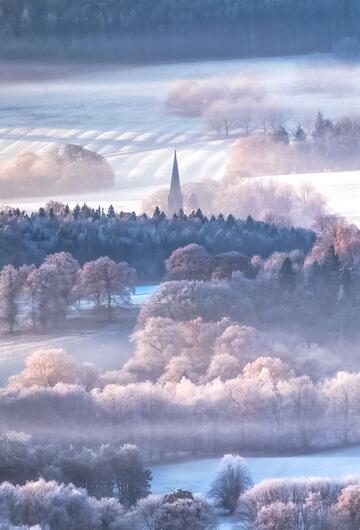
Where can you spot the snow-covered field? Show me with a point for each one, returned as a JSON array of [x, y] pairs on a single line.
[[120, 113], [143, 293], [340, 189], [197, 475]]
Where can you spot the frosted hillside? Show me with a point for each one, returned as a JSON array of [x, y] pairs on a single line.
[[120, 113]]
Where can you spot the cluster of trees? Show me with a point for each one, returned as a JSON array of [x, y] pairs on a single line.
[[240, 107], [225, 105], [45, 294], [193, 262], [186, 28], [330, 145], [281, 504], [232, 480], [264, 406], [315, 294], [166, 350], [105, 471], [301, 504], [90, 233], [67, 169], [40, 505], [231, 106]]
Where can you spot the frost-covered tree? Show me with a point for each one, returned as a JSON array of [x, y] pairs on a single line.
[[233, 478], [276, 516], [107, 283], [43, 288], [189, 263], [11, 282], [126, 473], [348, 507], [146, 513], [343, 391], [47, 368], [296, 504], [67, 269], [57, 506], [181, 510]]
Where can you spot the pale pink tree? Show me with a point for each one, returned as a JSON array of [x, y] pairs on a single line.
[[107, 283], [47, 368], [68, 270], [276, 516], [191, 262], [348, 507], [43, 290]]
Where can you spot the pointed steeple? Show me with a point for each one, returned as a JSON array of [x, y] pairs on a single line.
[[175, 199]]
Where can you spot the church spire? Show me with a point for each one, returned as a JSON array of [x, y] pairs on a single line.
[[175, 199]]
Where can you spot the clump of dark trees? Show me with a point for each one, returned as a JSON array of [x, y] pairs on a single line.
[[313, 295], [104, 471], [89, 233], [82, 488], [332, 145], [143, 30]]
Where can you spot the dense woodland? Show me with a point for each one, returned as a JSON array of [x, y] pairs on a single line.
[[88, 234], [277, 372], [147, 30]]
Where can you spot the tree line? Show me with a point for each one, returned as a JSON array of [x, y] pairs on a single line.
[[276, 504], [47, 504], [266, 405], [301, 504], [45, 294], [317, 294], [183, 29], [88, 234]]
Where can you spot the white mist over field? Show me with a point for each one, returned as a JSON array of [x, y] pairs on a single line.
[[120, 113]]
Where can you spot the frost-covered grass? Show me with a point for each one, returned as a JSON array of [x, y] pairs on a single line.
[[197, 475], [143, 293]]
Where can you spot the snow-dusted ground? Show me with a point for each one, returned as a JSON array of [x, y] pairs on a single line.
[[143, 293], [120, 113], [197, 475]]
